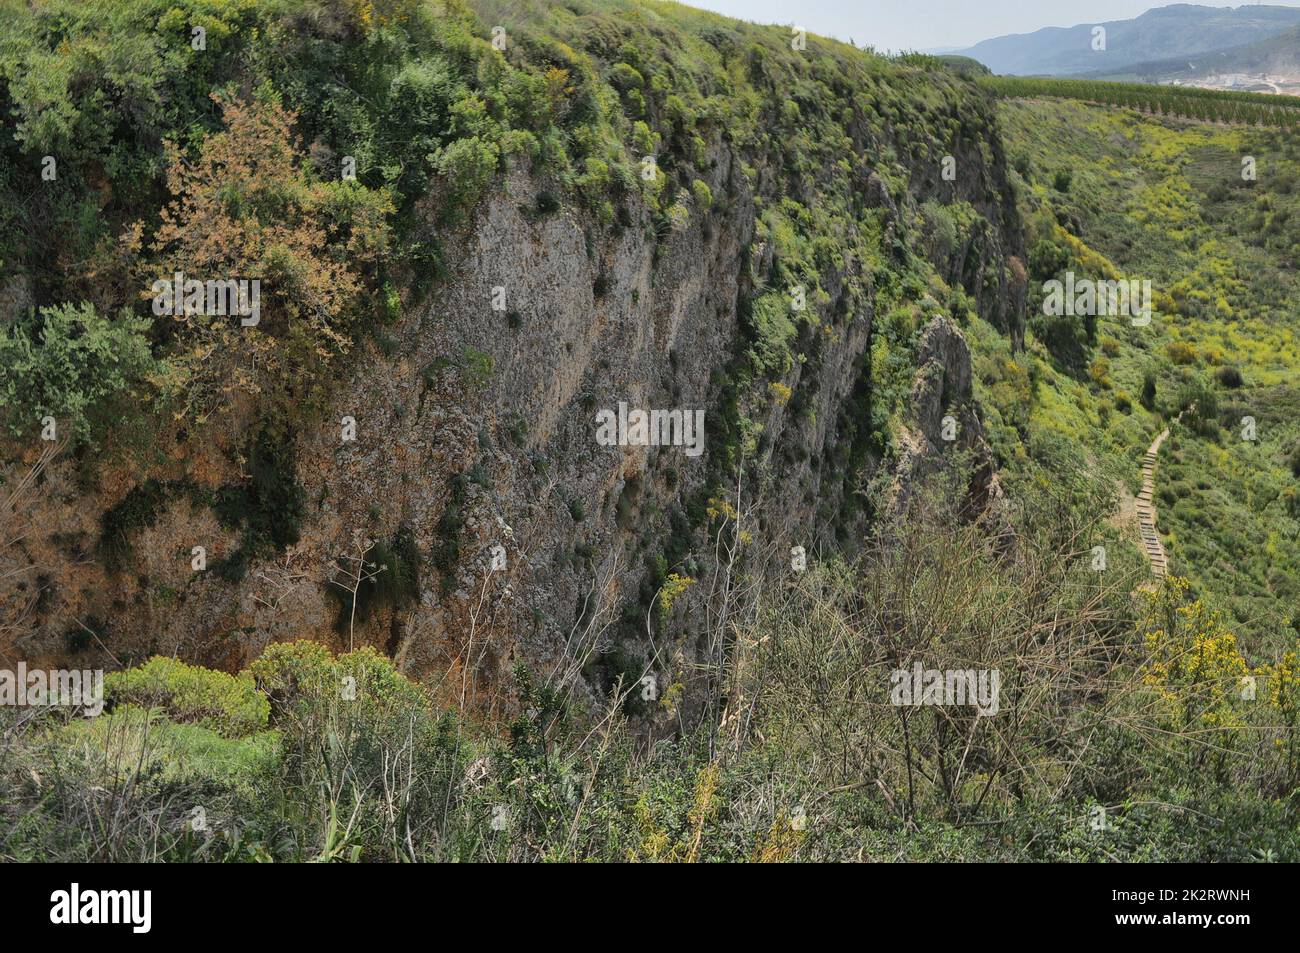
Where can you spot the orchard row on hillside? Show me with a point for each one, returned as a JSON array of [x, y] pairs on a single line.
[[1209, 105]]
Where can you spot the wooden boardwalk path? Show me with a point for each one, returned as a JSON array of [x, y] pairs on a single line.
[[1146, 509]]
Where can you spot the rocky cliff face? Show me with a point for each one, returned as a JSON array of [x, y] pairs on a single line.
[[477, 475]]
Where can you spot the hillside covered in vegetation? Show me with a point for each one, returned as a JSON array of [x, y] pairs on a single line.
[[367, 582]]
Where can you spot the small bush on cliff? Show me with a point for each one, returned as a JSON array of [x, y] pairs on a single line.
[[188, 694], [771, 330], [467, 165], [248, 209], [74, 365]]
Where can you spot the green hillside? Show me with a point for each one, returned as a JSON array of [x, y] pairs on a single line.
[[1113, 191]]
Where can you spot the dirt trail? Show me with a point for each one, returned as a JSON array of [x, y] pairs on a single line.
[[1146, 509]]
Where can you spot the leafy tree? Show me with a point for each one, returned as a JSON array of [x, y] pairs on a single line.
[[69, 362], [1065, 336], [1148, 395], [249, 209], [1047, 260], [1230, 376], [467, 166]]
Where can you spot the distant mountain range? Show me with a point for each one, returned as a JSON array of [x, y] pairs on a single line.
[[1182, 41], [1277, 57]]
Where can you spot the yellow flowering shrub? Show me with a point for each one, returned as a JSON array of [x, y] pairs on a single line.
[[1194, 662]]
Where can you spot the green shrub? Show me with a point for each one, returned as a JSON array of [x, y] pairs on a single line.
[[771, 331], [1148, 396], [941, 230], [1230, 376], [1047, 260], [419, 103], [702, 193], [304, 673], [229, 705], [476, 367], [467, 167], [643, 140], [70, 363]]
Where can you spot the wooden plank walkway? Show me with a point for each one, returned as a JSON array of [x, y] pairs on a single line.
[[1146, 509]]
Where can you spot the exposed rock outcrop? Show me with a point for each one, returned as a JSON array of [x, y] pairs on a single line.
[[476, 445]]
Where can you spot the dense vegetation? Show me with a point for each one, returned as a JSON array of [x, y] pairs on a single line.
[[332, 147], [1116, 750], [1111, 193], [336, 148]]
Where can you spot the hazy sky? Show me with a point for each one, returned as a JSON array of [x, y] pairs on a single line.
[[926, 24]]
